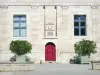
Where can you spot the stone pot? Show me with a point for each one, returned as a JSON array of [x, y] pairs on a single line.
[[21, 59], [85, 59]]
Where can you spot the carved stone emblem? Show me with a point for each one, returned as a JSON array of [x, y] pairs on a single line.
[[49, 26], [49, 23]]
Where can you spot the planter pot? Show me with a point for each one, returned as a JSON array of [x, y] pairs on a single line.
[[21, 59], [85, 59]]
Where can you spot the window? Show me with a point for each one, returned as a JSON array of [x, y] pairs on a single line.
[[19, 25], [79, 25]]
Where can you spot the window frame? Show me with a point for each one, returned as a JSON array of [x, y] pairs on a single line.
[[79, 25], [19, 22]]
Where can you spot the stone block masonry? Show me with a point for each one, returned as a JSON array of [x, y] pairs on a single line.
[[16, 67]]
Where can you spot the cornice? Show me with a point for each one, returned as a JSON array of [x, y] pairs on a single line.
[[65, 7], [4, 6], [33, 6]]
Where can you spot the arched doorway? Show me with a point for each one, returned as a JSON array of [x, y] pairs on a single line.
[[50, 52]]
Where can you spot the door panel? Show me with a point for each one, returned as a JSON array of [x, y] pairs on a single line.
[[50, 53]]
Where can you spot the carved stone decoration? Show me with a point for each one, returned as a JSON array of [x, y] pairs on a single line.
[[49, 29], [50, 21], [49, 26]]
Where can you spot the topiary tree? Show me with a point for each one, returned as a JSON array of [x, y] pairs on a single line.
[[20, 47], [85, 47]]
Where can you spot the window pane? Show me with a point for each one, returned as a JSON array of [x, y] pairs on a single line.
[[23, 24], [23, 32], [23, 19], [76, 17], [82, 17], [19, 25], [82, 23], [76, 23], [76, 31], [16, 18], [83, 31], [16, 32], [16, 24]]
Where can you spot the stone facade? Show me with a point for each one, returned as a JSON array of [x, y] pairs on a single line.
[[58, 12]]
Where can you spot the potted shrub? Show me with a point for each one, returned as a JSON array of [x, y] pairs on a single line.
[[20, 48], [84, 48]]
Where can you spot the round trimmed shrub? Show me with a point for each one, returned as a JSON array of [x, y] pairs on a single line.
[[20, 47], [85, 47]]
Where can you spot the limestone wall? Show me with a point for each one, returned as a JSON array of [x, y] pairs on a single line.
[[49, 1], [64, 38]]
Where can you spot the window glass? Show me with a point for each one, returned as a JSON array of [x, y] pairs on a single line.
[[22, 24], [19, 25], [82, 17], [83, 31], [23, 19], [16, 24], [16, 32], [23, 32], [80, 25], [76, 31], [16, 18], [76, 17], [76, 23]]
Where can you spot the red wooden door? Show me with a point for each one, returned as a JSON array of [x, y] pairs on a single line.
[[50, 53]]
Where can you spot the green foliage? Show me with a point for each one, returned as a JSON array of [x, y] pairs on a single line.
[[85, 47], [20, 47], [75, 60]]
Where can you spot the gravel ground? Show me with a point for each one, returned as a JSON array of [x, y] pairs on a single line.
[[57, 69]]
